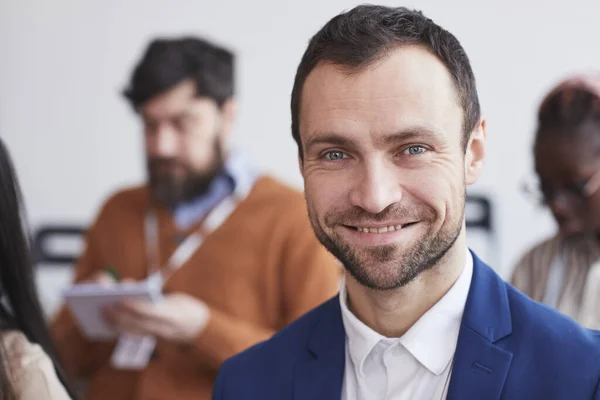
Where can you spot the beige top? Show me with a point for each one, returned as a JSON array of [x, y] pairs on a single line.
[[30, 370], [577, 290]]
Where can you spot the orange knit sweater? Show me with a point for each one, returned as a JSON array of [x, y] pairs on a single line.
[[259, 271]]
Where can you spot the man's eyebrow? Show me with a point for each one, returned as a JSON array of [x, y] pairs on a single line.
[[411, 133], [328, 138]]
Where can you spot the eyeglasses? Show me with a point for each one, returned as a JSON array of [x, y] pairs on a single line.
[[578, 191]]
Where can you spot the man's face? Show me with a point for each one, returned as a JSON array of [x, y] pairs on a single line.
[[184, 139], [384, 168]]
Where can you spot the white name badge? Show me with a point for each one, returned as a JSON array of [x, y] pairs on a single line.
[[133, 352]]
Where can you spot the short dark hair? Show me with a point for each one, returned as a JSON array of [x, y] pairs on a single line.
[[367, 33], [168, 62]]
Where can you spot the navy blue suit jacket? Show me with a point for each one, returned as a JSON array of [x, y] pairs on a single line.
[[509, 347]]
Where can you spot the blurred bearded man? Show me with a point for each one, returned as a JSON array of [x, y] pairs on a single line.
[[233, 249]]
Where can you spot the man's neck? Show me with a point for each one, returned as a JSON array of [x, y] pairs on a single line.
[[392, 313]]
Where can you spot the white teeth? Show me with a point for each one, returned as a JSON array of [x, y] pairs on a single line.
[[380, 230]]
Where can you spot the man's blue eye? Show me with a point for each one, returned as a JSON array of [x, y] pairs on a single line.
[[334, 156], [414, 150]]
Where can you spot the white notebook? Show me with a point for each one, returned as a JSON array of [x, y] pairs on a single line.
[[87, 300]]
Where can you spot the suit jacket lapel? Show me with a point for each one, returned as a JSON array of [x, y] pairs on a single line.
[[320, 371], [480, 366]]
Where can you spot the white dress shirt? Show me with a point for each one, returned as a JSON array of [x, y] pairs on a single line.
[[416, 366]]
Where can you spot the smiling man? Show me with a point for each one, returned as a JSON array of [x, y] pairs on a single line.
[[386, 115]]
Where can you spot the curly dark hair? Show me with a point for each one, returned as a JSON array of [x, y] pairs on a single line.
[[572, 104]]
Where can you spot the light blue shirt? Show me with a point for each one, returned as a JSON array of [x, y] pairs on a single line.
[[237, 171]]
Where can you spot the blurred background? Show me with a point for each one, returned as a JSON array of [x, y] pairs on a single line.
[[75, 140]]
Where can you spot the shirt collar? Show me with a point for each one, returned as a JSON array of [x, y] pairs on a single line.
[[237, 174], [361, 339], [240, 170], [431, 340]]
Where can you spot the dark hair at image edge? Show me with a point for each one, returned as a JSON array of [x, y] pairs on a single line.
[[367, 33], [567, 110], [167, 62], [17, 285]]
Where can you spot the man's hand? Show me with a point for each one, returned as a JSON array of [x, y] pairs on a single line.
[[177, 317]]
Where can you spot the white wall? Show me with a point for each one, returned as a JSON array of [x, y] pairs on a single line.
[[74, 140]]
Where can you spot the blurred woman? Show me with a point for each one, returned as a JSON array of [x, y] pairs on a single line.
[[564, 270], [28, 367]]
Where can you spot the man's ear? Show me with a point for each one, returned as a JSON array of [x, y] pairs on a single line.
[[475, 153], [228, 115]]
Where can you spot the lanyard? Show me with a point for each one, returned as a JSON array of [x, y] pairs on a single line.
[[214, 219]]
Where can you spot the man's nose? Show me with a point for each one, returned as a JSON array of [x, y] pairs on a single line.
[[377, 187], [165, 143]]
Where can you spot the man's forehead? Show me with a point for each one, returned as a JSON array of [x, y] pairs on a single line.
[[408, 69], [411, 87], [177, 105]]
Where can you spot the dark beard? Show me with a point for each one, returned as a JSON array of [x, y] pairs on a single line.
[[170, 192], [381, 268]]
